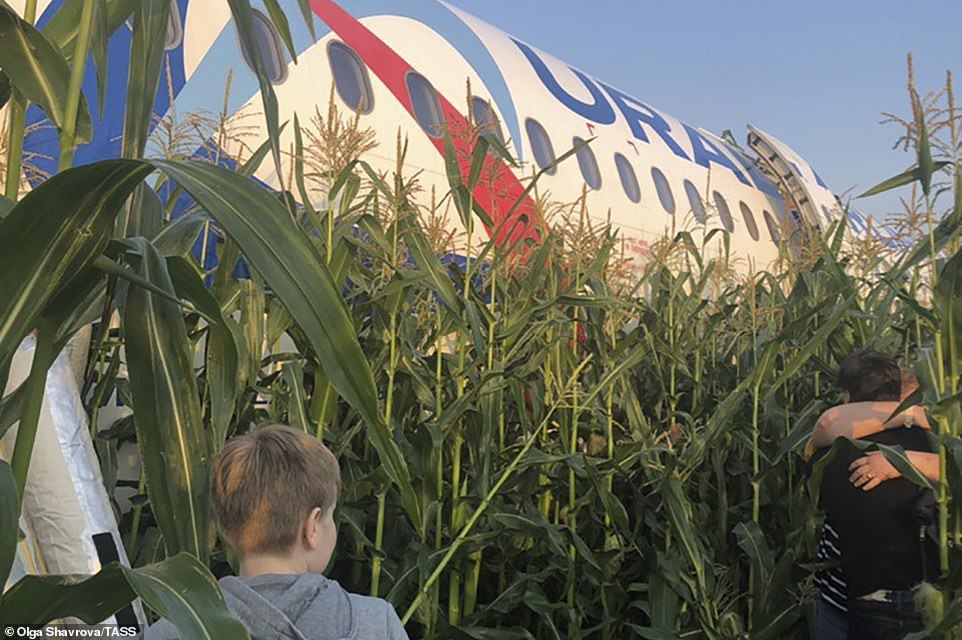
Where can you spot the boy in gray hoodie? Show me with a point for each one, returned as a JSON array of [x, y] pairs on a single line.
[[274, 491]]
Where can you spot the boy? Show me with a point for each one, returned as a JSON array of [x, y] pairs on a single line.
[[274, 491]]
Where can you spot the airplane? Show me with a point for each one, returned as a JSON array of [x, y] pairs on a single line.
[[407, 65]]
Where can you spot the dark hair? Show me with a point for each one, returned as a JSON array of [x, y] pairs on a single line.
[[909, 379], [870, 375]]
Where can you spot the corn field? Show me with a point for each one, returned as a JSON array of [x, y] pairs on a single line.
[[532, 444]]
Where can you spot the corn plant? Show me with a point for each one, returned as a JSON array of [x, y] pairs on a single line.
[[530, 448]]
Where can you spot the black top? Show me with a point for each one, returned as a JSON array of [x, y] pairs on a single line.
[[879, 530]]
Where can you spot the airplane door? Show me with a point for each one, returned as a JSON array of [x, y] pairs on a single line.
[[795, 179]]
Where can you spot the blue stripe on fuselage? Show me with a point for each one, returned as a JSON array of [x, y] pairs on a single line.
[[42, 145]]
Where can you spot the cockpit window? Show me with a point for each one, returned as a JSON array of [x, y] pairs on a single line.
[[351, 80], [541, 146], [663, 189], [588, 164], [629, 181]]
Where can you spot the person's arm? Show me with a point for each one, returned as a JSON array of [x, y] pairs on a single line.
[[860, 419], [873, 469]]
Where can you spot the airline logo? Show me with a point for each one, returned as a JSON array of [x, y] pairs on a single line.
[[607, 102]]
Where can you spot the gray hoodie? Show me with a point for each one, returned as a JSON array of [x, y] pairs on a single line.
[[304, 606]]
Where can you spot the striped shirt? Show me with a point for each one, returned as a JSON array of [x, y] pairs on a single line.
[[831, 581]]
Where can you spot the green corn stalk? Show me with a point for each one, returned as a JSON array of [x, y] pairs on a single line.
[[68, 141], [572, 482], [18, 123], [392, 365], [458, 485], [439, 457], [485, 503], [475, 558]]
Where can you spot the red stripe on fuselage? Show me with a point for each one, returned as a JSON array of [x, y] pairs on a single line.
[[498, 188]]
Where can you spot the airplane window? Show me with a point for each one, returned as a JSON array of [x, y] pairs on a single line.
[[588, 164], [427, 107], [629, 181], [270, 46], [540, 146], [664, 190], [175, 28], [772, 227], [694, 199], [486, 118], [749, 220], [350, 77], [723, 211]]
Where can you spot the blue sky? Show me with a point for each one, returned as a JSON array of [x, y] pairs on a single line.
[[815, 73]]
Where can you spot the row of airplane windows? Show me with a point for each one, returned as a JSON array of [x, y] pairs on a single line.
[[588, 164], [353, 85]]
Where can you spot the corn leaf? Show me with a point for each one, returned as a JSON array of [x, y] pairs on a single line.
[[40, 599], [664, 604], [244, 21], [223, 357], [287, 260], [680, 516], [914, 174], [947, 230], [146, 59], [6, 91], [653, 633], [948, 300], [279, 18], [305, 7], [170, 432], [923, 146], [222, 351], [64, 25], [37, 70], [9, 520], [293, 374], [10, 407], [54, 237], [813, 344], [179, 588], [98, 50], [183, 591], [177, 238], [144, 213]]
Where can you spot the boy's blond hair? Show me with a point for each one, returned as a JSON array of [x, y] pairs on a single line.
[[264, 484]]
